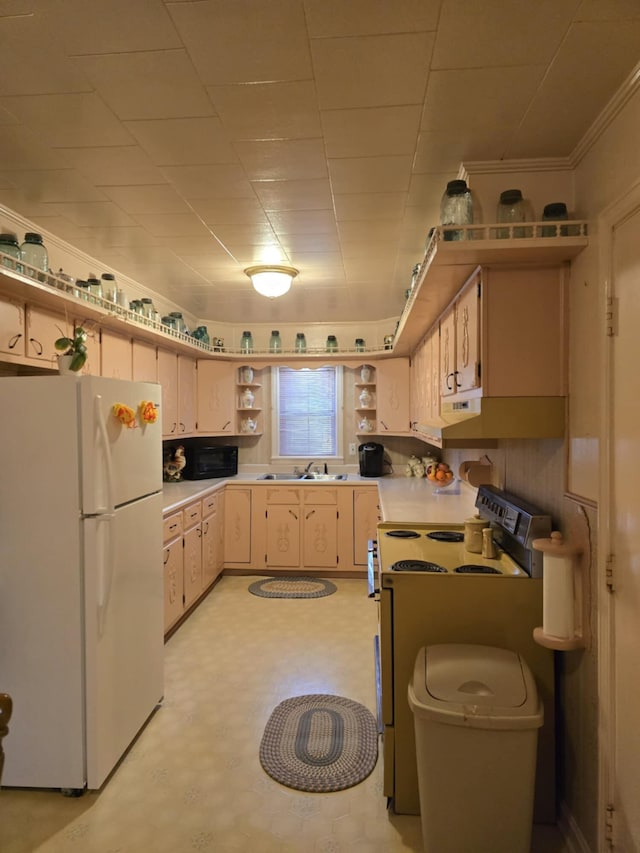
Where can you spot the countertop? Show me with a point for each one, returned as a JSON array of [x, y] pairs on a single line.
[[407, 499]]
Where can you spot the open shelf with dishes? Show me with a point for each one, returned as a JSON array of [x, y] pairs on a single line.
[[365, 400], [249, 394]]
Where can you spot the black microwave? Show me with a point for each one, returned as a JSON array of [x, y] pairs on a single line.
[[205, 461]]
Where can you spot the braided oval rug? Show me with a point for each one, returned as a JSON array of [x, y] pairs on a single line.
[[292, 588], [319, 743]]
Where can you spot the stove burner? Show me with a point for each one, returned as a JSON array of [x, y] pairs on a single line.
[[403, 534], [445, 536], [416, 566], [471, 569]]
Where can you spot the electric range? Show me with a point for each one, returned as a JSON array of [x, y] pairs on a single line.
[[495, 602]]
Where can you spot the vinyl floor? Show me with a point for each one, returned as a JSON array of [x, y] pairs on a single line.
[[192, 781]]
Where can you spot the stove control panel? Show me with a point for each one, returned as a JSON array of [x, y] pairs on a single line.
[[517, 524]]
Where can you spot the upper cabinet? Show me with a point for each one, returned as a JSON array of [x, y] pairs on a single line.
[[449, 263], [216, 397], [499, 354], [392, 390]]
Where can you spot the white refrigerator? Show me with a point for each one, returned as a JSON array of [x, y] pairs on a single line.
[[81, 576]]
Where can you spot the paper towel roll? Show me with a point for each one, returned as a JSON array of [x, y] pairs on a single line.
[[557, 596]]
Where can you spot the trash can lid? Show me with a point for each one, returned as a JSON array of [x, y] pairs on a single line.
[[474, 685]]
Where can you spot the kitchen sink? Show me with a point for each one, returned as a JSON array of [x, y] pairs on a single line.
[[312, 475], [281, 476]]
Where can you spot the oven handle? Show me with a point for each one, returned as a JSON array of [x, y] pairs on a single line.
[[372, 568]]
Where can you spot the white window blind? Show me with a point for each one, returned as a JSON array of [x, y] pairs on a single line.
[[307, 412]]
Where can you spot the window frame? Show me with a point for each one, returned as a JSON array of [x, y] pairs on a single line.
[[276, 456]]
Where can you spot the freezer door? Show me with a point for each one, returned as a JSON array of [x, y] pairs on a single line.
[[118, 464], [124, 642]]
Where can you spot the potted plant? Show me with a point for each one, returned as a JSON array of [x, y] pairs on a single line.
[[73, 351]]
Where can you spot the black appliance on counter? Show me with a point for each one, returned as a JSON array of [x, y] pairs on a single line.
[[206, 460], [371, 459]]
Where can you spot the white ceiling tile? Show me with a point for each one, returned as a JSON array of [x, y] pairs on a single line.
[[118, 165], [209, 182], [175, 225], [500, 32], [371, 132], [294, 195], [55, 185], [147, 85], [96, 213], [230, 211], [293, 243], [22, 148], [283, 159], [160, 198], [550, 128], [482, 98], [111, 26], [371, 71], [245, 41], [444, 150], [183, 141], [65, 121], [286, 110], [303, 222], [48, 70], [370, 17], [370, 174], [369, 206]]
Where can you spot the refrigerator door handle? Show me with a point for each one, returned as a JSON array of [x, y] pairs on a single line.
[[105, 560], [108, 461]]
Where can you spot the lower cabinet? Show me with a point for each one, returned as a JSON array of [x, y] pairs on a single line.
[[366, 515], [192, 554], [238, 528], [310, 528]]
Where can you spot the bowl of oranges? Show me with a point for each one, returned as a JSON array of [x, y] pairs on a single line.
[[442, 477]]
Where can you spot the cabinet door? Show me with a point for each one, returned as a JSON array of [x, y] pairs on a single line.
[[320, 537], [192, 564], [186, 395], [216, 397], [237, 525], [144, 362], [211, 549], [115, 356], [168, 379], [448, 354], [467, 337], [392, 394], [283, 535], [43, 329], [365, 521], [173, 582], [12, 327]]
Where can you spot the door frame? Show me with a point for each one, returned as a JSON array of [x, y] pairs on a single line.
[[610, 218]]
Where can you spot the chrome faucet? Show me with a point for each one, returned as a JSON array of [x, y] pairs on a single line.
[[308, 468]]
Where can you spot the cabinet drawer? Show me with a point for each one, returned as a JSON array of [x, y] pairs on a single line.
[[171, 526], [209, 504], [319, 495], [283, 495], [192, 514]]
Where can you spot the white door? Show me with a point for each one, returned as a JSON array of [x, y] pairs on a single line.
[[624, 524], [124, 629], [119, 464]]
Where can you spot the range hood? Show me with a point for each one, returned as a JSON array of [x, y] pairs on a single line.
[[496, 417]]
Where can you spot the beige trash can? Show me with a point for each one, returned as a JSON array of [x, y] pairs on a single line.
[[476, 714]]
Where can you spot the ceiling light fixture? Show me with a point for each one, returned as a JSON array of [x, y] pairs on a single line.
[[270, 279]]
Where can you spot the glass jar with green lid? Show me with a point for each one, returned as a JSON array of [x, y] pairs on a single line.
[[246, 342], [332, 343], [301, 342], [275, 342], [9, 246], [34, 253]]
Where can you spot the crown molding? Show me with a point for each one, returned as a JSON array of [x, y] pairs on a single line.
[[536, 164]]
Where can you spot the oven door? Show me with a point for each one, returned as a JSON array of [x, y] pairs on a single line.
[[373, 574]]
